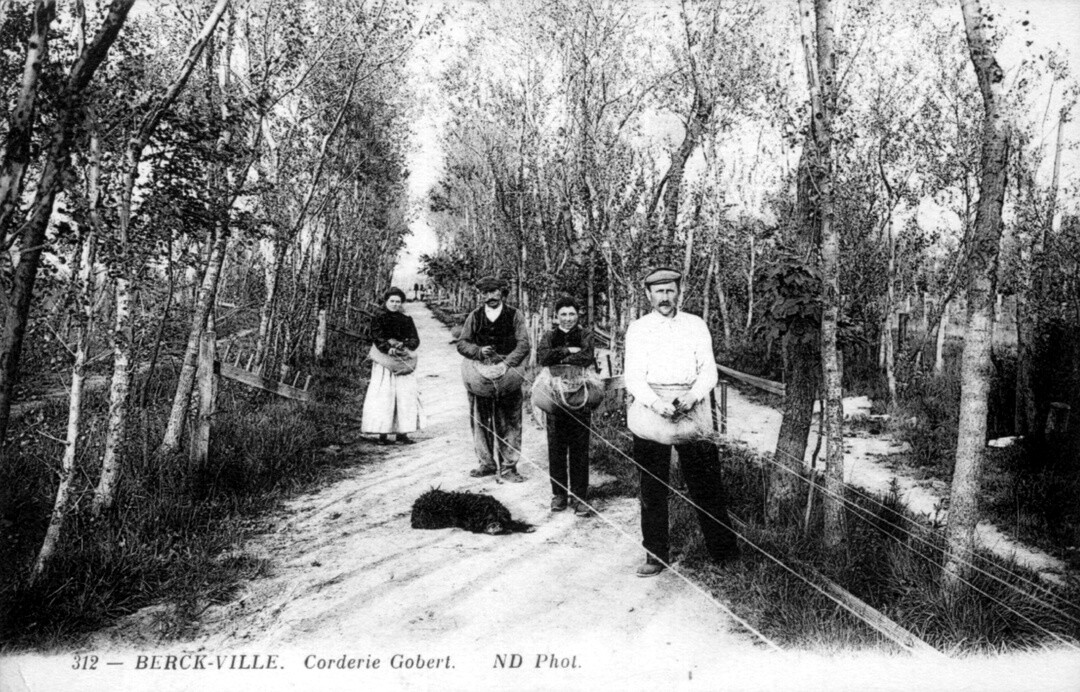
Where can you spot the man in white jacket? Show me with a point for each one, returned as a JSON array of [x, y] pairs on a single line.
[[670, 371]]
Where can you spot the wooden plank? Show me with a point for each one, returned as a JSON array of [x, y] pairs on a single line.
[[770, 386], [346, 332], [252, 380], [362, 311], [760, 382]]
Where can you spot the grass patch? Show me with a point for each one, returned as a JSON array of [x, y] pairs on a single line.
[[175, 538], [611, 450], [1030, 490], [889, 560]]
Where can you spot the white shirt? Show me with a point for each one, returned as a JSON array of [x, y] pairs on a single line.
[[493, 315], [674, 350]]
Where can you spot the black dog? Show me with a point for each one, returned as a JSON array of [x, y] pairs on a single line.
[[439, 509]]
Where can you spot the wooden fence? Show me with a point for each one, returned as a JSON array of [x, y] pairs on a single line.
[[210, 369]]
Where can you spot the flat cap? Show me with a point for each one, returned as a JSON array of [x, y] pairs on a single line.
[[662, 275], [492, 283]]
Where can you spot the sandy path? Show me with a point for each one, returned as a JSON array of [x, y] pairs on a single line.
[[864, 467]]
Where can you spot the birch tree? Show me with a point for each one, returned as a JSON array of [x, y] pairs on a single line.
[[819, 29], [981, 277], [32, 239], [126, 287]]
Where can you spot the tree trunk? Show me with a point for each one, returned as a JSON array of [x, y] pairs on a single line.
[[887, 341], [706, 292], [590, 296], [722, 308], [207, 292], [818, 34], [802, 373], [122, 343], [688, 257], [60, 505], [21, 121], [802, 370], [750, 285], [976, 367], [700, 111], [266, 311], [939, 340]]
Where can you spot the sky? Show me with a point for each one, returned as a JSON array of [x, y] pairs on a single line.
[[1054, 23]]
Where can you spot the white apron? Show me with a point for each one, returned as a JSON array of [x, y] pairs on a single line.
[[392, 404]]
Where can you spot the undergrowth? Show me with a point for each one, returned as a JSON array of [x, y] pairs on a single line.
[[1031, 489], [889, 559], [175, 537]]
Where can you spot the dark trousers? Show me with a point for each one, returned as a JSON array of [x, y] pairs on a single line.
[[568, 447], [701, 469], [496, 424]]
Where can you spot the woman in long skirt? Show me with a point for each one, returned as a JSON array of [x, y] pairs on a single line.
[[392, 404]]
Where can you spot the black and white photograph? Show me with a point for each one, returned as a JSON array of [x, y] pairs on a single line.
[[704, 345]]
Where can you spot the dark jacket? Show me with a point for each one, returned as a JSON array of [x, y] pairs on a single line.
[[393, 325], [554, 348], [507, 334]]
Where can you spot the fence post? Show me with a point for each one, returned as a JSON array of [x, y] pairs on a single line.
[[200, 444], [723, 407]]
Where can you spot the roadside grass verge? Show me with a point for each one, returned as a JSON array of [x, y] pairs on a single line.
[[890, 560], [611, 450], [448, 316], [176, 537]]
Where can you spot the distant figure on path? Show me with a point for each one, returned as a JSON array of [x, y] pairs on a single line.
[[392, 404], [495, 342], [568, 430], [670, 371]]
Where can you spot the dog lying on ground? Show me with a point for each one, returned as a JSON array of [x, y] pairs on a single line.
[[440, 509]]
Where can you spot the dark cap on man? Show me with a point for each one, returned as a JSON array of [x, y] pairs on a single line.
[[491, 283], [662, 275]]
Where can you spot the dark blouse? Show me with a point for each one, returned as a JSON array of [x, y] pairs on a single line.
[[555, 346], [393, 325]]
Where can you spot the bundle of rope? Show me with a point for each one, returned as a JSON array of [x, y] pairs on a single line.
[[490, 378], [567, 388], [397, 364]]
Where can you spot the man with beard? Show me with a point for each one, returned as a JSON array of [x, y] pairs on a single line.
[[495, 342], [670, 371]]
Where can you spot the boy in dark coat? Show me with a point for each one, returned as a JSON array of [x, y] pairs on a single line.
[[568, 431]]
